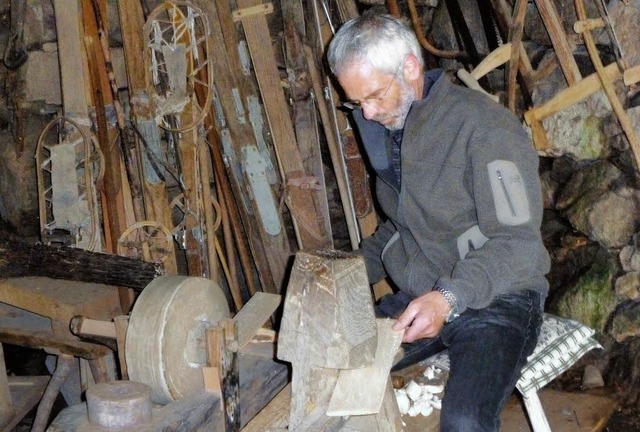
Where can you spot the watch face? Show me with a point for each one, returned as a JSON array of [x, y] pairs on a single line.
[[453, 314]]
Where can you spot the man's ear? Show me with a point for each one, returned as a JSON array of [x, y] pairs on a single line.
[[411, 69]]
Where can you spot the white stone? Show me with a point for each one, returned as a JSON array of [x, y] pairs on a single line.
[[435, 389], [413, 390], [426, 409], [414, 410], [403, 401]]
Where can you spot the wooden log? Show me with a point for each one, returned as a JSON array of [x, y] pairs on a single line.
[[20, 259]]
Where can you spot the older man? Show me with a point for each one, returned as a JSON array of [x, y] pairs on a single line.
[[456, 178]]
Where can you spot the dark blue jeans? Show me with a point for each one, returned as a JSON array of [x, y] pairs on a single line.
[[487, 350]]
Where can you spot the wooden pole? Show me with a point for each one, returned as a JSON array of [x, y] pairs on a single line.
[[515, 38]]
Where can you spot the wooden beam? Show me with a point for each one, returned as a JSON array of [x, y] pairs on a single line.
[[19, 259]]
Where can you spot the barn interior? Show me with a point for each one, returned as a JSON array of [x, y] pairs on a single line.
[[181, 192]]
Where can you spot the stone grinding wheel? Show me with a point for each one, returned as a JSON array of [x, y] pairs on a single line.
[[165, 346]]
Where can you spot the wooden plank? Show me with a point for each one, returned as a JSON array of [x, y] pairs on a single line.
[[561, 44], [309, 231], [264, 8], [254, 314], [73, 69], [261, 378], [361, 391]]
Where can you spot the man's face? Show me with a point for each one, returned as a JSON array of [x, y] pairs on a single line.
[[384, 98]]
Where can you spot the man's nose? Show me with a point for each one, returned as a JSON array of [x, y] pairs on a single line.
[[369, 110]]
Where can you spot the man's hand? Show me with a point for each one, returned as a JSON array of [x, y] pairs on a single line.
[[424, 317]]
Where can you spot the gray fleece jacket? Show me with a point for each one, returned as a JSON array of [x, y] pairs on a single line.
[[467, 216]]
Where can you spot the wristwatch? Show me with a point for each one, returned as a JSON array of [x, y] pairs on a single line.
[[453, 304]]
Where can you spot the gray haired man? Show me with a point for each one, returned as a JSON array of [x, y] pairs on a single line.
[[457, 180]]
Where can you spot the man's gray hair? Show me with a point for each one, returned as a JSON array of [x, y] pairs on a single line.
[[381, 40]]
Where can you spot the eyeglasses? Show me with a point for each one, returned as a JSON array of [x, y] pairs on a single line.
[[351, 105]]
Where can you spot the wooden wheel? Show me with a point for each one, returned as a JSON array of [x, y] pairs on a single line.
[[166, 344], [148, 240]]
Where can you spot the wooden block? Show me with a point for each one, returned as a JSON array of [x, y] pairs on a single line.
[[264, 8], [328, 323], [83, 326], [328, 314], [261, 378], [212, 380], [361, 391]]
